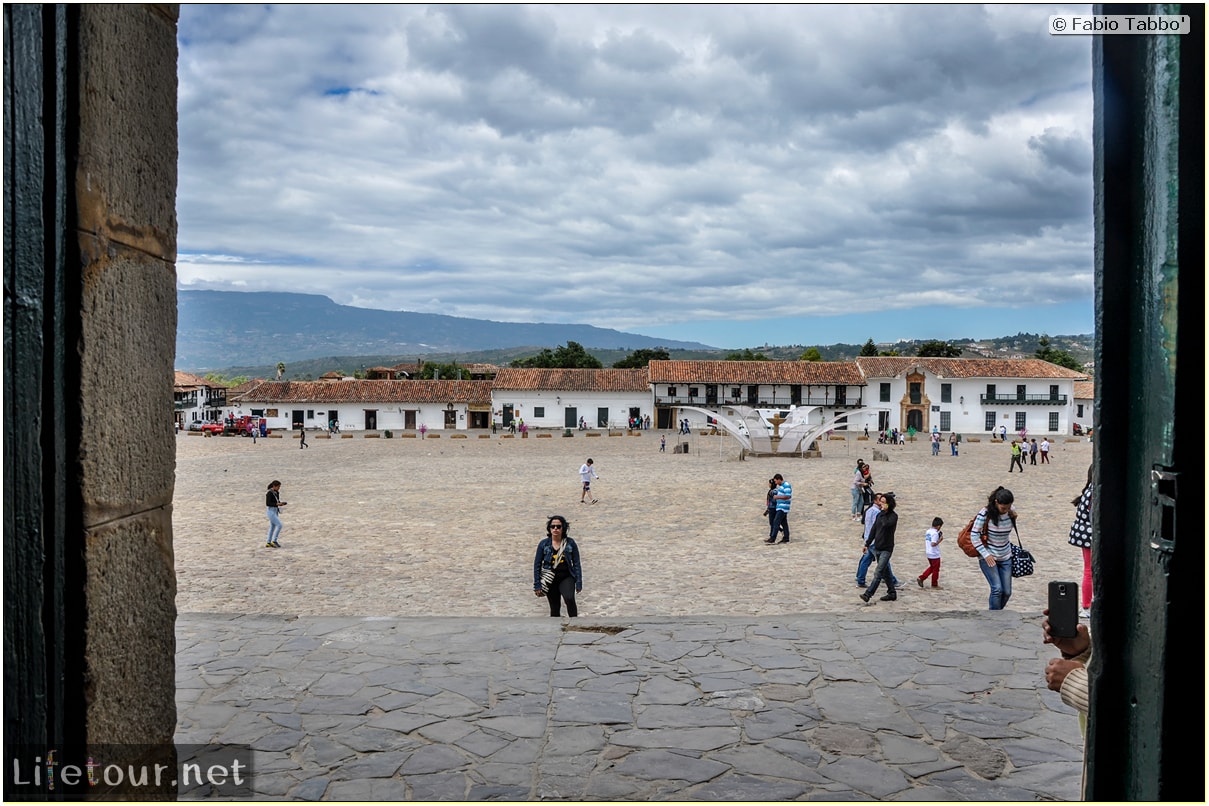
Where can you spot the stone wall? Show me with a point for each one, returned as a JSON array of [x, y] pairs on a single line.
[[125, 192]]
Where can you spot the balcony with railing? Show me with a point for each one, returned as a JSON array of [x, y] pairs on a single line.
[[765, 402], [1023, 400]]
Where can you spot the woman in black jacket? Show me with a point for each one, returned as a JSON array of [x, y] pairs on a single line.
[[881, 541], [557, 560]]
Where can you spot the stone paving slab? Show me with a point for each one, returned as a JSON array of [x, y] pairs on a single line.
[[810, 707]]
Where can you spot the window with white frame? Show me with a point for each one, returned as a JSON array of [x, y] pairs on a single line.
[[884, 395], [990, 424], [946, 393], [1021, 420], [946, 421], [539, 411], [1053, 422]]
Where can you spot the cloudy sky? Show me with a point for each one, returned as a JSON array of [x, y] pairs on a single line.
[[736, 175]]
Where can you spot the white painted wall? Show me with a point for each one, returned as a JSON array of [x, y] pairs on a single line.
[[351, 416], [969, 417], [524, 405]]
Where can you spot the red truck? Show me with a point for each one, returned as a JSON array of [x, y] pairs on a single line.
[[247, 423]]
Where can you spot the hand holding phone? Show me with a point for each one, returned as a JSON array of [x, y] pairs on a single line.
[[1064, 609]]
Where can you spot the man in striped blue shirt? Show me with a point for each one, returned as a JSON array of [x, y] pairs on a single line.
[[783, 496]]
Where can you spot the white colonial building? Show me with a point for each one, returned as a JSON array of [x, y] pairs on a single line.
[[970, 395], [833, 386], [196, 399], [880, 393], [355, 405], [951, 394], [558, 398], [1085, 399]]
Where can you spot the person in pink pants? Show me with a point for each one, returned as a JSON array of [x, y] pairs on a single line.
[[1080, 536]]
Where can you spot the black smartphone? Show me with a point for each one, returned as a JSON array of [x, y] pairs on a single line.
[[1063, 609]]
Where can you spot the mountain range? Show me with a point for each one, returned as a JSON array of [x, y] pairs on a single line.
[[217, 329]]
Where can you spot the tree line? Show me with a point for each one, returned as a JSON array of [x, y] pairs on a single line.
[[572, 355]]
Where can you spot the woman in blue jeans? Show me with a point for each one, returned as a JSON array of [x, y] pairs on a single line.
[[272, 508], [858, 487], [995, 550]]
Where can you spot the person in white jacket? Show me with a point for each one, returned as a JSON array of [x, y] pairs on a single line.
[[586, 474]]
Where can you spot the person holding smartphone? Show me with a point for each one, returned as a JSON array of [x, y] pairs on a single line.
[[1068, 675], [273, 505]]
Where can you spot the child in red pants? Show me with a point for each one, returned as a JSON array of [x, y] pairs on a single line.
[[932, 552]]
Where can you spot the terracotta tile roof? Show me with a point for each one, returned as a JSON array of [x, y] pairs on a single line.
[[896, 366], [187, 380], [572, 380], [474, 392], [1085, 390], [838, 373], [244, 388]]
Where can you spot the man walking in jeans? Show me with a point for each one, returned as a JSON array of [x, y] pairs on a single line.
[[783, 496], [867, 556]]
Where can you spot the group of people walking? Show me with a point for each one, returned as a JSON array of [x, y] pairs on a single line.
[[880, 522], [1025, 448], [558, 572]]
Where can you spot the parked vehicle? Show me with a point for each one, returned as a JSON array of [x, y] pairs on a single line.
[[245, 425], [211, 428]]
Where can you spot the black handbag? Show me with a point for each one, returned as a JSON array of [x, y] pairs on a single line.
[[1022, 559]]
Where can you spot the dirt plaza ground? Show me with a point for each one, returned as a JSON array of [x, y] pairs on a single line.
[[420, 527], [448, 526]]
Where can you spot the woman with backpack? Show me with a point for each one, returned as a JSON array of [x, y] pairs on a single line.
[[995, 552]]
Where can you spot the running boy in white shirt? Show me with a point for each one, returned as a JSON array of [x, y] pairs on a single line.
[[932, 551]]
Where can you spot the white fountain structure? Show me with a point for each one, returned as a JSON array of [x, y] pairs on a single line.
[[756, 439]]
